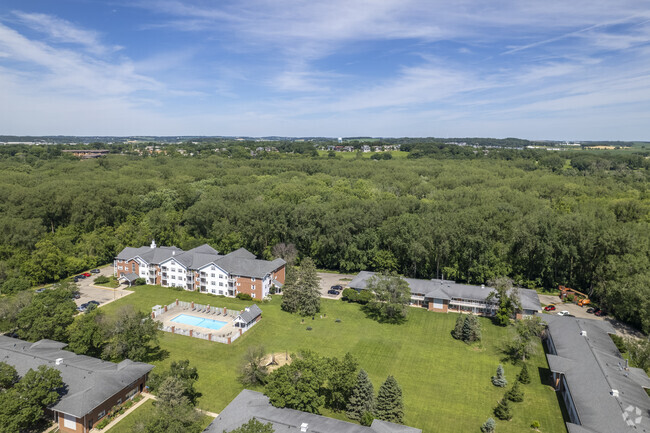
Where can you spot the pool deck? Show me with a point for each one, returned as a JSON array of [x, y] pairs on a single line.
[[225, 331]]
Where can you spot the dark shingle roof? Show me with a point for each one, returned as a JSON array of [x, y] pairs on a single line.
[[593, 367], [250, 404], [445, 289], [90, 381], [239, 262], [250, 313]]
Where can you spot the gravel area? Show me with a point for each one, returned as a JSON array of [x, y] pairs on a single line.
[[328, 280]]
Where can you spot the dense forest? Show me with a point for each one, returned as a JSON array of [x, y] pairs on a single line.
[[578, 219]]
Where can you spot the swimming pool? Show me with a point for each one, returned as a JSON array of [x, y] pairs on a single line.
[[186, 319]]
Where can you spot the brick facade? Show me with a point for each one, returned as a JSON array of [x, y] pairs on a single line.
[[250, 286], [94, 417]]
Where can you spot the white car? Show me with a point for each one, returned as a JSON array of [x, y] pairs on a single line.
[[563, 313]]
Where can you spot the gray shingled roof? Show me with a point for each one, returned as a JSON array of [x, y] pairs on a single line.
[[130, 277], [89, 381], [445, 289], [239, 262], [250, 404], [593, 367], [250, 313]]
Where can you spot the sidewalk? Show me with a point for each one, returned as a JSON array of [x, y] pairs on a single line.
[[128, 411]]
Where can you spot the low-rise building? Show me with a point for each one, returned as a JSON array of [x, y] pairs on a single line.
[[444, 295], [202, 269], [601, 393], [92, 386], [250, 404]]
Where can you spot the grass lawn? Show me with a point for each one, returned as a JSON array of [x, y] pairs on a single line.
[[446, 383], [127, 423]]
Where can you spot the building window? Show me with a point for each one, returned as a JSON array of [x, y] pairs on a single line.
[[132, 267], [221, 276], [253, 294], [252, 278], [212, 267], [220, 284], [173, 277], [212, 275], [101, 414], [120, 268], [253, 287], [212, 283]]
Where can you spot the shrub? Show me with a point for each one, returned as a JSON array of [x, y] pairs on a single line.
[[349, 295], [502, 411], [488, 426], [244, 296], [619, 342], [102, 279], [309, 328], [139, 282], [102, 424], [515, 394], [366, 419], [536, 425], [524, 376], [338, 320], [500, 379]]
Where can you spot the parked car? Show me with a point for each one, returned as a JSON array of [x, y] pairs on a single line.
[[600, 313], [87, 274], [41, 290], [563, 313], [549, 308], [93, 302], [338, 287], [95, 271], [333, 292], [591, 310], [76, 295], [81, 277]]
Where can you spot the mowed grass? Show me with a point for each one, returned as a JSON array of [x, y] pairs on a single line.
[[446, 383], [127, 424]]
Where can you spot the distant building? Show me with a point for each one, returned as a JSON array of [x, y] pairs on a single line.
[[601, 393], [250, 404], [444, 296], [92, 386], [87, 154], [201, 268]]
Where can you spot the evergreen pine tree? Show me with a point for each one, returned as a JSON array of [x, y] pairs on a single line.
[[488, 426], [290, 294], [309, 288], [362, 399], [500, 379], [467, 329], [502, 411], [457, 333], [524, 376], [475, 329], [390, 406], [515, 393]]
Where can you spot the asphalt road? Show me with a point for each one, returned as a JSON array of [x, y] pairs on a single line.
[[103, 295]]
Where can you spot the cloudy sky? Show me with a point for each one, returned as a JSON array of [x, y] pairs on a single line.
[[574, 70]]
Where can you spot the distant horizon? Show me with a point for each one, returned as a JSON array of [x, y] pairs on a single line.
[[575, 71]]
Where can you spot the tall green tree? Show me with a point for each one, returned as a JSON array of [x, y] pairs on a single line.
[[23, 405], [457, 332], [301, 292], [342, 380], [507, 298], [131, 334], [87, 334], [525, 339], [253, 370], [524, 376], [8, 376], [48, 315], [390, 406], [392, 298], [254, 426], [515, 393], [186, 376], [503, 410], [362, 397], [173, 411]]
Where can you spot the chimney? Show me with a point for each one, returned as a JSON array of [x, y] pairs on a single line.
[[614, 393], [58, 361], [583, 333], [173, 253], [304, 426], [153, 244], [482, 286]]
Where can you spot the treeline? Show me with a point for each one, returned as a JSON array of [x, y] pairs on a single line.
[[583, 225]]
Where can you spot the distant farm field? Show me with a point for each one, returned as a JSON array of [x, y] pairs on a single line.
[[446, 384]]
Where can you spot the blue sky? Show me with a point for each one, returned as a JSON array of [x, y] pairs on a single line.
[[574, 70]]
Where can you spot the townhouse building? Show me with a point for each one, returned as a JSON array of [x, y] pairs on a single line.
[[444, 295], [201, 269]]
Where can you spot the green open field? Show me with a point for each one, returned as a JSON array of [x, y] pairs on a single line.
[[126, 425], [446, 383]]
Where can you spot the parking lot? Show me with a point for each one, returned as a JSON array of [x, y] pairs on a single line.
[[103, 295], [328, 280]]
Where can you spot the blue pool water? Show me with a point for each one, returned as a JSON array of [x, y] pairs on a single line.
[[186, 319]]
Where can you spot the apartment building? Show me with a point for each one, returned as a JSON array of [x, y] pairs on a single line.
[[444, 295], [92, 386], [201, 269]]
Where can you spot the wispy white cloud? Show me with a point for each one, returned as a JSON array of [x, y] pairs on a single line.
[[60, 30]]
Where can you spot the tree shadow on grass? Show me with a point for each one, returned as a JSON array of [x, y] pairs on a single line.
[[156, 354], [378, 316]]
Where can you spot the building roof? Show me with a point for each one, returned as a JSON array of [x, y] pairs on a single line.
[[130, 277], [89, 381], [445, 289], [251, 313], [593, 368], [239, 262], [250, 404]]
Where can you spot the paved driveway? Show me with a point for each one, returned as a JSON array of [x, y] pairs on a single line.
[[103, 295], [328, 280]]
